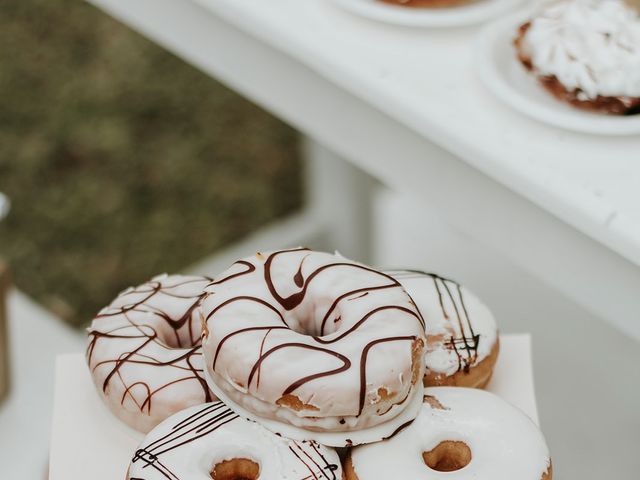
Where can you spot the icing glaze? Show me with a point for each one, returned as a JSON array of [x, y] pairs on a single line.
[[589, 45], [191, 443], [144, 350], [408, 410], [504, 443], [312, 340], [461, 330]]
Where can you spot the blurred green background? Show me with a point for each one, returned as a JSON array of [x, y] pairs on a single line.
[[120, 160]]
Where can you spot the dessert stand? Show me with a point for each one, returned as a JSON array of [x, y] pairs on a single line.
[[88, 440]]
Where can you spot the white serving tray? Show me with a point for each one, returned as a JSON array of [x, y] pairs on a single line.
[[87, 441]]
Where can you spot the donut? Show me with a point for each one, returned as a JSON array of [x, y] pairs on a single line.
[[144, 351], [462, 336], [462, 433], [313, 340], [211, 441], [586, 53]]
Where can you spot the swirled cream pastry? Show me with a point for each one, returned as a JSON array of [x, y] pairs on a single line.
[[586, 53]]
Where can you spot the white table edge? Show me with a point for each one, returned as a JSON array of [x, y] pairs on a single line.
[[579, 208]]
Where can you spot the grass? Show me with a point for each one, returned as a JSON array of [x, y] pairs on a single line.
[[120, 160]]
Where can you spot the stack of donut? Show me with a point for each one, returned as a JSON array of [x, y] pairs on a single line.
[[297, 364]]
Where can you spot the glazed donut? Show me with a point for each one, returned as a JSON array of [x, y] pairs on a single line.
[[144, 351], [462, 335], [211, 441], [468, 433], [312, 340]]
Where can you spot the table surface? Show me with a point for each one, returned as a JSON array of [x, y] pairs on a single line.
[[81, 422], [36, 337], [425, 79]]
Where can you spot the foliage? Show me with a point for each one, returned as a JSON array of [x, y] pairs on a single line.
[[120, 160]]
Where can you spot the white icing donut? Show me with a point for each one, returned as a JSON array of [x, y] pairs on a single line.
[[144, 351], [589, 45], [461, 330], [312, 340], [190, 445], [458, 426]]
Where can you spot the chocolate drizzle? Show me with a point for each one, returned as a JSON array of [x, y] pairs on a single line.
[[154, 326], [250, 268], [398, 430], [465, 344], [363, 364], [346, 364], [320, 333], [206, 421], [292, 301], [316, 470]]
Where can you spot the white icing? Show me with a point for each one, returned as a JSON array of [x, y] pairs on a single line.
[[253, 368], [144, 351], [460, 328], [189, 444], [505, 444], [590, 45], [407, 412]]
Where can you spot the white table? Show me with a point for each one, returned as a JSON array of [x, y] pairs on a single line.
[[407, 107], [35, 338]]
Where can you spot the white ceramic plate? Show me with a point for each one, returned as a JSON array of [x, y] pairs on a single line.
[[503, 74], [472, 13]]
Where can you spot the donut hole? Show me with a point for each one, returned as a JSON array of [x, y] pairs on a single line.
[[172, 335], [309, 320], [177, 340], [304, 325], [236, 469], [448, 456]]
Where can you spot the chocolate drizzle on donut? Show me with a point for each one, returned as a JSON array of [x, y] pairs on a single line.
[[315, 469], [322, 338], [346, 364], [292, 301], [136, 323], [250, 268], [363, 364], [398, 430], [206, 421], [465, 345]]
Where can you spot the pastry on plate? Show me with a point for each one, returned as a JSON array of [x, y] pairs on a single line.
[[585, 53], [427, 3]]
